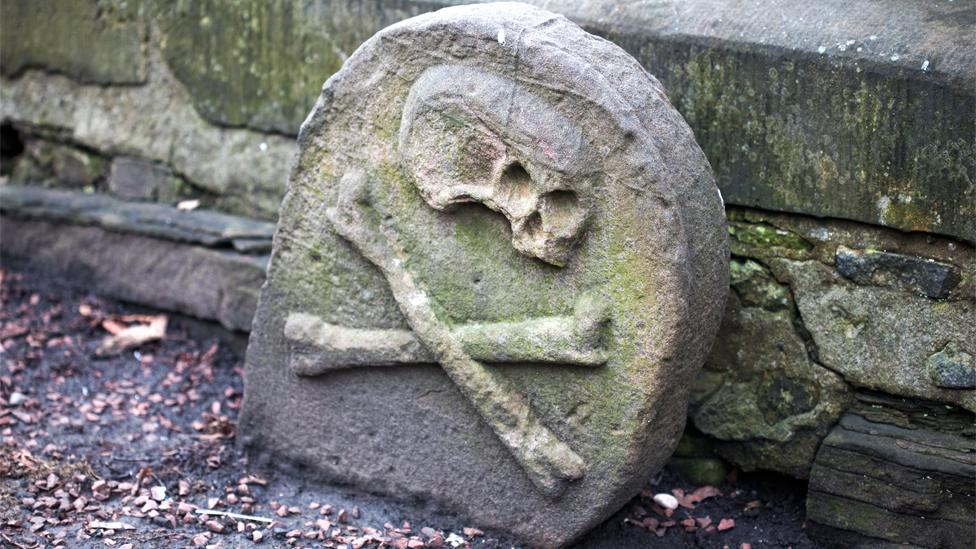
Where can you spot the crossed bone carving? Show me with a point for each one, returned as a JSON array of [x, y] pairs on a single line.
[[318, 346]]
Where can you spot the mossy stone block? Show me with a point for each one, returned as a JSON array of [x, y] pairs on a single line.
[[700, 471], [99, 42], [262, 64]]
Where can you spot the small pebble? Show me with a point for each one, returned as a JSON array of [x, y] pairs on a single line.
[[16, 398], [158, 493], [666, 500]]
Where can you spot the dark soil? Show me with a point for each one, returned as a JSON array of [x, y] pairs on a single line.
[[145, 438]]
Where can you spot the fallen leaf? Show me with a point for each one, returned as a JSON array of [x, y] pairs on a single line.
[[13, 329], [688, 501], [726, 524], [132, 336], [143, 473], [101, 490], [114, 327], [703, 493]]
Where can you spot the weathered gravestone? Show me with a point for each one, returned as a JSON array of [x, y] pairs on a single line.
[[501, 260]]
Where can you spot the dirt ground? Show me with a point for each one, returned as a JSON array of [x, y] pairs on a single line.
[[127, 446]]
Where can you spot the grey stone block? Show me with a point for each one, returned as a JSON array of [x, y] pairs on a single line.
[[210, 284], [882, 478], [202, 227], [136, 179], [874, 267]]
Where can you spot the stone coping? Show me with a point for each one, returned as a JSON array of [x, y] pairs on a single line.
[[201, 227], [890, 36]]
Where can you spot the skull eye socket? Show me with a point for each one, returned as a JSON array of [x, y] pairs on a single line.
[[533, 226], [561, 211]]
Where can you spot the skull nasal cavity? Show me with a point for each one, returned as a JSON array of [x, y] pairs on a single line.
[[561, 208], [516, 188]]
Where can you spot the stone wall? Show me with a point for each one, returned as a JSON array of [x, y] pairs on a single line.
[[856, 111], [820, 309], [841, 134]]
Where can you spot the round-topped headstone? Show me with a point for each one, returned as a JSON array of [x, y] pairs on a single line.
[[501, 260]]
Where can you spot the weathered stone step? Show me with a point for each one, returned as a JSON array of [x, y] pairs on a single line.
[[202, 227], [205, 264]]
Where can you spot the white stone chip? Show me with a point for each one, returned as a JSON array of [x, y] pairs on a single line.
[[666, 500], [158, 493]]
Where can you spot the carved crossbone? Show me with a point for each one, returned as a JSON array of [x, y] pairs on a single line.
[[317, 347], [548, 462]]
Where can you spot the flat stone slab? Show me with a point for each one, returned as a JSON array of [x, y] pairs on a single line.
[[207, 283], [202, 227], [503, 254], [887, 476]]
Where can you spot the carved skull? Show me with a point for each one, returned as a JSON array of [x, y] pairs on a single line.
[[472, 136]]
